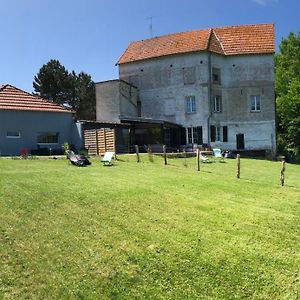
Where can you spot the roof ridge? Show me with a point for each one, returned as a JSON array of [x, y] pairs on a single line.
[[170, 34], [219, 40], [208, 40], [2, 86], [243, 25]]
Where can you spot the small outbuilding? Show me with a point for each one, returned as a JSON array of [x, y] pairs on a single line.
[[29, 123]]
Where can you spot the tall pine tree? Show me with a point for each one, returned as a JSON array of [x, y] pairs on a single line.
[[55, 83]]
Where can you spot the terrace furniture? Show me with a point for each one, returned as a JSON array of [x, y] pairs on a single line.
[[218, 154], [107, 158], [77, 160], [204, 158], [229, 154]]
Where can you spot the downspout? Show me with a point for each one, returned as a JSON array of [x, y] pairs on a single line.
[[209, 97]]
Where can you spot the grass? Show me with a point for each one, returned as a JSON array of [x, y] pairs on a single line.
[[148, 231]]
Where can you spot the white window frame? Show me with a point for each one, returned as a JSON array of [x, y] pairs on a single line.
[[9, 136], [191, 135], [255, 103], [218, 133], [190, 104], [217, 104]]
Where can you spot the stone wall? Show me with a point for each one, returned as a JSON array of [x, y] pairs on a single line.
[[165, 82], [115, 98]]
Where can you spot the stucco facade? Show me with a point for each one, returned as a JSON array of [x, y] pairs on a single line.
[[218, 84], [30, 125], [115, 99], [165, 83], [30, 122]]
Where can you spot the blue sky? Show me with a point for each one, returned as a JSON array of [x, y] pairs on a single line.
[[90, 35]]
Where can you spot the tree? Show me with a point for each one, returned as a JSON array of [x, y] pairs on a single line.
[[287, 78], [85, 97], [55, 83]]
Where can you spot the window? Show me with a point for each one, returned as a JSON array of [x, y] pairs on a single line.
[[47, 138], [194, 135], [217, 104], [190, 104], [13, 134], [255, 103], [216, 76], [218, 133]]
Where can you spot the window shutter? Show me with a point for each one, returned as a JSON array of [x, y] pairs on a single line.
[[225, 134], [212, 133], [200, 135], [183, 140]]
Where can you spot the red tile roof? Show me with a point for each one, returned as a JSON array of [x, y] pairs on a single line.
[[12, 98], [231, 40]]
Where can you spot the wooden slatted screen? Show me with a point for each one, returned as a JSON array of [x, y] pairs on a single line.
[[99, 141], [90, 142], [106, 140]]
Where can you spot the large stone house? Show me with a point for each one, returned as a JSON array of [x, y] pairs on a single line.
[[216, 83]]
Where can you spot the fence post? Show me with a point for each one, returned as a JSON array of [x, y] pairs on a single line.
[[150, 156], [198, 159], [137, 153], [165, 154], [238, 173], [282, 173]]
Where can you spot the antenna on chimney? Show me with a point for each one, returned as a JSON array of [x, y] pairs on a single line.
[[150, 26]]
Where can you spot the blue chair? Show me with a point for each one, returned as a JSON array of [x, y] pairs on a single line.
[[217, 154]]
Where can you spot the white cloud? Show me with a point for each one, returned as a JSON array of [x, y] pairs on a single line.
[[265, 2]]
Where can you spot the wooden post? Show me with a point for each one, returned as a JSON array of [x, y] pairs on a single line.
[[97, 143], [165, 154], [137, 153], [104, 139], [282, 173], [238, 173], [150, 156], [198, 159]]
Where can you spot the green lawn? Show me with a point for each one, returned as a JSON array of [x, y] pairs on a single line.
[[148, 231]]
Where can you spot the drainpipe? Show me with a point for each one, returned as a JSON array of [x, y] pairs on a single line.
[[209, 96]]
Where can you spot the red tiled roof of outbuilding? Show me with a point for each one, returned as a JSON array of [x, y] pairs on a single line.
[[230, 40], [12, 98]]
